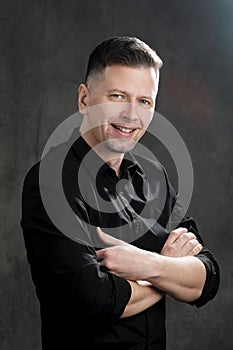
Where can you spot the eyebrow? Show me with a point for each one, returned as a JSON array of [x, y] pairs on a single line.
[[126, 93], [118, 90]]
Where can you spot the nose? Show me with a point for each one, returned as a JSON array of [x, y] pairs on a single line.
[[129, 112]]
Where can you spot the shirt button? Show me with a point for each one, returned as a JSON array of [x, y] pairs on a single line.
[[137, 226]]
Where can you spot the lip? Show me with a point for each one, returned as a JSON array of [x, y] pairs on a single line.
[[121, 133]]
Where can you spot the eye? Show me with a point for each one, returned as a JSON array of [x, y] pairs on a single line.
[[145, 102], [117, 97]]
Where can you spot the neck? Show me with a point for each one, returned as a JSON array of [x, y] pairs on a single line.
[[115, 165], [113, 159]]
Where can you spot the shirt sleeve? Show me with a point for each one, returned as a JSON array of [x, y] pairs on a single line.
[[212, 281], [63, 268], [212, 268]]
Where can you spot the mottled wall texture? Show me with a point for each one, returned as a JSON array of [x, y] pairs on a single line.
[[44, 48]]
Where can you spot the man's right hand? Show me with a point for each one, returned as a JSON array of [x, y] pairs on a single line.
[[181, 242]]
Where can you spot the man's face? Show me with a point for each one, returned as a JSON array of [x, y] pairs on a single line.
[[118, 106]]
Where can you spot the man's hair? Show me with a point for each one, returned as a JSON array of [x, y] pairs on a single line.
[[124, 51]]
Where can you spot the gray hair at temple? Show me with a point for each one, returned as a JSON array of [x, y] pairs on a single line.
[[124, 51]]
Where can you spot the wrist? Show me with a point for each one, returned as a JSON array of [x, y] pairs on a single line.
[[155, 266]]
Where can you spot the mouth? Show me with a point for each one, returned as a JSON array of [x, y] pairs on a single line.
[[124, 129]]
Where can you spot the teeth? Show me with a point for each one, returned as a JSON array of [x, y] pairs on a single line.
[[123, 129]]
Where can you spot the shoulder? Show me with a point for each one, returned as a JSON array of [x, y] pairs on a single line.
[[32, 175], [149, 164], [155, 173]]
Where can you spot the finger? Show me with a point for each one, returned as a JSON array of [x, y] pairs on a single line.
[[196, 249], [107, 239], [185, 238], [189, 246], [100, 255], [175, 234]]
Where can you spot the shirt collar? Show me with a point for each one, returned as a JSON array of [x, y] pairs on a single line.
[[84, 153]]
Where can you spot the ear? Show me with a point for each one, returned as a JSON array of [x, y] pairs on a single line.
[[83, 94]]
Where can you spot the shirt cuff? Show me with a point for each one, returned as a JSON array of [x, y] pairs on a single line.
[[122, 294], [212, 278]]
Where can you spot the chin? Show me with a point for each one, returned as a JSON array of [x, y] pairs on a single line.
[[120, 147]]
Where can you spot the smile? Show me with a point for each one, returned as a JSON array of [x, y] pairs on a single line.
[[123, 129]]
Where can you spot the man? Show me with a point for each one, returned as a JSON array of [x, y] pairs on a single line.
[[102, 279]]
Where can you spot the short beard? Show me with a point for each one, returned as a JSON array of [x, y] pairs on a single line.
[[119, 148]]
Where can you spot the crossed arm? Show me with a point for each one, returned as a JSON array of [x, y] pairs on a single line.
[[176, 271]]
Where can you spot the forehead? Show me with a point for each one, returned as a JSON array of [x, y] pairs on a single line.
[[119, 71], [117, 76]]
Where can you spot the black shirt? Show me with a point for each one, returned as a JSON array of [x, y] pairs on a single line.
[[80, 302]]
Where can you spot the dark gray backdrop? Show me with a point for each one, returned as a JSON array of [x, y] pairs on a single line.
[[44, 48]]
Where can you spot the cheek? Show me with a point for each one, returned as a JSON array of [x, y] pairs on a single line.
[[104, 131], [145, 116], [97, 117], [141, 133]]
